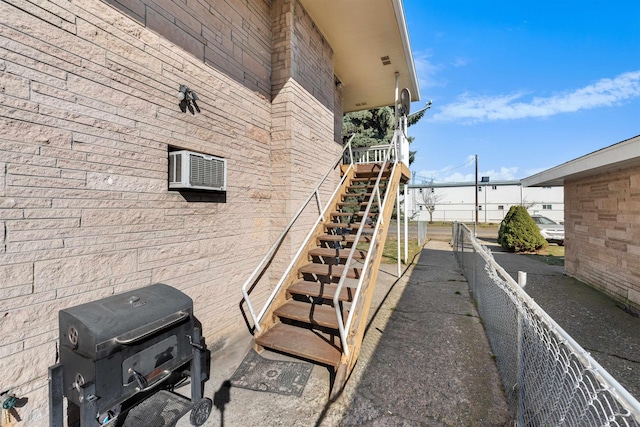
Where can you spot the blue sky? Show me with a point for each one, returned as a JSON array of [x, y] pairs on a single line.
[[525, 85]]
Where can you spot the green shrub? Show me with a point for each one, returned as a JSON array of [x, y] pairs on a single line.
[[518, 232]]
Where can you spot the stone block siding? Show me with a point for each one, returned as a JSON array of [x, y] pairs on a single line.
[[88, 112], [602, 226], [303, 115], [233, 36]]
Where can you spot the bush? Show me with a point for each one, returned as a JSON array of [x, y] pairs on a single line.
[[518, 232]]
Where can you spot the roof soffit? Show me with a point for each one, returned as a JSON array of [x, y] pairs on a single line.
[[362, 33]]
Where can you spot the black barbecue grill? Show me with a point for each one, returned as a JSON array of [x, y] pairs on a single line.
[[121, 353]]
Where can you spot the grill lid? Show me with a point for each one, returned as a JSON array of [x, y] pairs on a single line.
[[97, 328]]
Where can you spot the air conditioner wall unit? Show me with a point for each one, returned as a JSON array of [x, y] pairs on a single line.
[[196, 171]]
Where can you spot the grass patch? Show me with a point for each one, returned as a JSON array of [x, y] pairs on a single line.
[[390, 253], [552, 255]]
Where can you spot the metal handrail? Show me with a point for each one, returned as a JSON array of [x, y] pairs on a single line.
[[342, 327], [278, 242]]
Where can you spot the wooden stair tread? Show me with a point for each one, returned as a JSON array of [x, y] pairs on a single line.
[[373, 175], [372, 167], [356, 204], [314, 314], [342, 253], [367, 195], [330, 270], [306, 343], [368, 186], [367, 179], [358, 213], [349, 238], [348, 225], [321, 290]]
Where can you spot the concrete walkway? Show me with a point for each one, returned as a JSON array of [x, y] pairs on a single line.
[[425, 361], [432, 364]]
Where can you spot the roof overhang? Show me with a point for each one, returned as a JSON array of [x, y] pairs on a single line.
[[362, 33], [614, 157]]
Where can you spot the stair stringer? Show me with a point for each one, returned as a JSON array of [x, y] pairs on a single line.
[[356, 334], [269, 318]]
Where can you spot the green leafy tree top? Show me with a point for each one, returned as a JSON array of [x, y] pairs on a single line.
[[375, 127], [519, 233]]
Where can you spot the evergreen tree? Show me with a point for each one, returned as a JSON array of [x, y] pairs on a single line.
[[518, 232], [375, 127]]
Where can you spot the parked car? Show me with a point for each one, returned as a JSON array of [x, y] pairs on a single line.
[[550, 230]]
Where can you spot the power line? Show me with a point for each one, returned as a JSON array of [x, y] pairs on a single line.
[[445, 170]]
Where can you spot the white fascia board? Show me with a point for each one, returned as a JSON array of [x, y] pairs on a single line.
[[613, 157], [406, 44]]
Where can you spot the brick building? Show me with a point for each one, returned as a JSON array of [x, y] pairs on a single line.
[[89, 113], [602, 218]]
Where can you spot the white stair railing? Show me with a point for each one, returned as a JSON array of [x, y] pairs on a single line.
[[269, 255], [373, 154], [345, 328]]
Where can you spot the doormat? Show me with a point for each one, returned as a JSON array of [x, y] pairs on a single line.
[[273, 376]]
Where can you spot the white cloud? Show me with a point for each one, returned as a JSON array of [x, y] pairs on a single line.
[[504, 174], [604, 93], [461, 61], [448, 175], [426, 70]]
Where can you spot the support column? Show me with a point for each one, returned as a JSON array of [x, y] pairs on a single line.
[[398, 219], [406, 226]]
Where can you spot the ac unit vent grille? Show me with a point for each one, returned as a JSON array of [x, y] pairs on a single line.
[[207, 173]]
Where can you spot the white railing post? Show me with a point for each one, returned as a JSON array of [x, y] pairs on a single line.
[[318, 200], [406, 225], [398, 229]]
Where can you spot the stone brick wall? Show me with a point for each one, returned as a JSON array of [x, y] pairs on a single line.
[[303, 108], [88, 112], [602, 227], [232, 36]]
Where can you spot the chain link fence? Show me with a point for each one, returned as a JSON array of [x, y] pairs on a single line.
[[549, 379]]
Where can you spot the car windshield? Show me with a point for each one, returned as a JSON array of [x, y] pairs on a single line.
[[543, 220]]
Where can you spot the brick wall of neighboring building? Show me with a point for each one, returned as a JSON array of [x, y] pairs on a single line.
[[88, 112], [602, 227]]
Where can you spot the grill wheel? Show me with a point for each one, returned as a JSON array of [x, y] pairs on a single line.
[[201, 411]]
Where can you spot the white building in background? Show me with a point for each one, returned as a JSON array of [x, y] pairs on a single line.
[[455, 201]]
